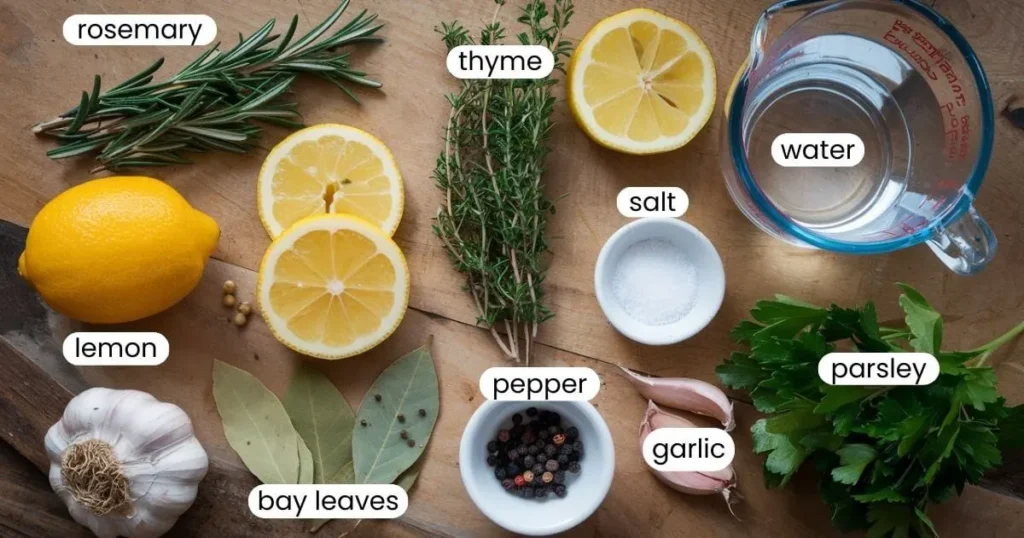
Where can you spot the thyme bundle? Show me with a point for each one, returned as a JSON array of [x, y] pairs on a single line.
[[495, 212], [211, 103]]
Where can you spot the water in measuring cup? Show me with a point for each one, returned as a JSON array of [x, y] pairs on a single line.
[[840, 83]]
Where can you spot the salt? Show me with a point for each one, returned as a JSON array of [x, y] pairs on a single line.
[[655, 282]]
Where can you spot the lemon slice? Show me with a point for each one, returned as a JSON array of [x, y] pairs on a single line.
[[333, 286], [330, 168], [641, 82]]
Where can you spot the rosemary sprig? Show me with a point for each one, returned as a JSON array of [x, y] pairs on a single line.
[[211, 104], [495, 212]]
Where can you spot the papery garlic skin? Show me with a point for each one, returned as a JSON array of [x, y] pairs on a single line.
[[691, 395], [157, 450], [693, 482]]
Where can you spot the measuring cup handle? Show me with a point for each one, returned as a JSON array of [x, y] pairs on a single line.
[[967, 245]]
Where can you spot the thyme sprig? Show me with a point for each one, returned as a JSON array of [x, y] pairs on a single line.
[[495, 211], [211, 103]]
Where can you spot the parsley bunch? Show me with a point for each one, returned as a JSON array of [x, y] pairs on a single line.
[[884, 453]]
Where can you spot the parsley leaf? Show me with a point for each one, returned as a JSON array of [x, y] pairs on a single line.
[[853, 460]]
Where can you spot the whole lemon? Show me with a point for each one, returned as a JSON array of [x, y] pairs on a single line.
[[117, 249]]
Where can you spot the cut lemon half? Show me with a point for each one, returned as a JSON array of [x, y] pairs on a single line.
[[330, 168], [333, 286], [641, 82]]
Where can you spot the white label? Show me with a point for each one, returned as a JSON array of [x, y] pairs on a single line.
[[328, 501], [500, 61], [824, 150], [182, 30], [868, 369], [688, 449], [635, 202], [542, 384], [116, 349]]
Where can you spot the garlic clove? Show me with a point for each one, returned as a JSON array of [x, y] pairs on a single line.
[[721, 482], [691, 395]]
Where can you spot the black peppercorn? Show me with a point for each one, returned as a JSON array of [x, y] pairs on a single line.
[[492, 447], [565, 450], [500, 473], [552, 430], [543, 435], [541, 493], [531, 411], [423, 412], [561, 491], [560, 477], [572, 433], [528, 492], [537, 468], [551, 465], [404, 434], [401, 417], [516, 432], [508, 484], [541, 457], [492, 460], [512, 469], [362, 423], [578, 446], [562, 459], [411, 443], [555, 419], [551, 450], [528, 460], [532, 450], [517, 419], [513, 454], [574, 467], [376, 397]]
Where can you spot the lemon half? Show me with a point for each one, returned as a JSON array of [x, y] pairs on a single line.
[[641, 82], [330, 168], [333, 286]]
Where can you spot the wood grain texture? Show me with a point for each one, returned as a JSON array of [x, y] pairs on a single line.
[[41, 75]]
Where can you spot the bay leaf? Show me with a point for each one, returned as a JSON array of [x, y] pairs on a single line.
[[305, 463], [379, 454], [256, 425], [408, 478], [324, 421]]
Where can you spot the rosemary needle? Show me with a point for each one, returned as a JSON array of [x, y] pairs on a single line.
[[495, 212], [211, 104]]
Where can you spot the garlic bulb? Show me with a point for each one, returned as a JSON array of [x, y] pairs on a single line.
[[125, 463]]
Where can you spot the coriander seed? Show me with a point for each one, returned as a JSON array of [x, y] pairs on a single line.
[[229, 287], [228, 300], [240, 320], [245, 309]]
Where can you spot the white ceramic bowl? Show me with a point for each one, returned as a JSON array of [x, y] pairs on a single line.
[[537, 517], [701, 253]]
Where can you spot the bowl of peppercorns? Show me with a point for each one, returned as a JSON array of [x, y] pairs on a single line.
[[537, 468]]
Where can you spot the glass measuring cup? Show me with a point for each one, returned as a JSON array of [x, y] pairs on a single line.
[[899, 76]]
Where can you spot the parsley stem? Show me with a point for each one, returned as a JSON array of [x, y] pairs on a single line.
[[987, 349]]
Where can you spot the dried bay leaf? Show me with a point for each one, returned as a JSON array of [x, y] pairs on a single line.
[[256, 425], [305, 463], [324, 421], [379, 454]]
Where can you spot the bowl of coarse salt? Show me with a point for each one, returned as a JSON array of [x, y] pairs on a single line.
[[659, 281]]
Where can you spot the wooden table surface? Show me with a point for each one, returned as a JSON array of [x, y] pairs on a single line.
[[40, 75]]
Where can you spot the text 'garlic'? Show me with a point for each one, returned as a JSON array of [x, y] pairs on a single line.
[[125, 463]]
